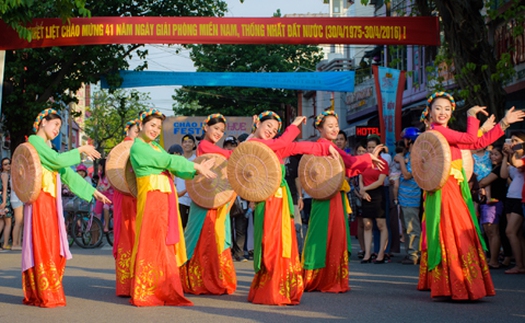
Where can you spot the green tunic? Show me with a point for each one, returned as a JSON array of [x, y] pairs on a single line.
[[149, 161], [61, 163]]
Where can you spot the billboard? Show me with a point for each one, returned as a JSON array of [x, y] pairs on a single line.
[[174, 128]]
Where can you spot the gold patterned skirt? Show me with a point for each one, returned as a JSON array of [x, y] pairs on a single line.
[[155, 278], [280, 280], [463, 273], [42, 284], [208, 271]]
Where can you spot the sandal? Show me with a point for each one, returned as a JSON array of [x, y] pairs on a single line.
[[514, 271], [493, 267]]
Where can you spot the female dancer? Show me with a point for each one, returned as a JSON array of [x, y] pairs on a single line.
[[209, 269], [327, 242], [45, 248], [159, 248], [278, 278], [124, 213], [452, 260]]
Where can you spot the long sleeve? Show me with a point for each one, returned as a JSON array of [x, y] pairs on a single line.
[[206, 147], [78, 185], [51, 159], [485, 140], [470, 139], [283, 141], [61, 162], [354, 165], [306, 147], [147, 160]]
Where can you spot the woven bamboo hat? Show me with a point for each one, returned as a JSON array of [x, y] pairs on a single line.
[[431, 160], [211, 193], [254, 171], [321, 177], [119, 171], [131, 179], [26, 173]]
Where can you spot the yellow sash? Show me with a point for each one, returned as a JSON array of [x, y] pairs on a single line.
[[286, 225], [220, 228], [345, 187], [146, 184], [455, 170], [49, 182]]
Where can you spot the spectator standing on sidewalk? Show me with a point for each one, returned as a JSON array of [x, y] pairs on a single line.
[[409, 198], [189, 145]]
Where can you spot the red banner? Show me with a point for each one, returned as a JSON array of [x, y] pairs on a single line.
[[213, 30]]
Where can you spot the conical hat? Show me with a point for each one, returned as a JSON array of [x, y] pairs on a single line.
[[131, 179], [254, 171], [321, 177], [468, 163], [26, 173], [430, 158], [119, 171], [211, 193]]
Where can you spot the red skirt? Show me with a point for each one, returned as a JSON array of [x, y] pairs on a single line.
[[280, 280], [124, 245], [463, 273], [208, 272], [333, 278], [42, 284], [156, 279]]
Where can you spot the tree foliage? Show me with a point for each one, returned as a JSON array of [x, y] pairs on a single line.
[[467, 48], [240, 101], [33, 76], [108, 114], [16, 13]]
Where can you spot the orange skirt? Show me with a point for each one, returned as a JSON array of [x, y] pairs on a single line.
[[333, 278], [463, 273], [128, 211], [208, 272], [280, 280], [42, 284], [156, 279]]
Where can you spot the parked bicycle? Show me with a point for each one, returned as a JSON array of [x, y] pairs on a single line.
[[109, 234], [84, 229]]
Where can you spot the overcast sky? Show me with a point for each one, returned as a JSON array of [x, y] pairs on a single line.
[[164, 58]]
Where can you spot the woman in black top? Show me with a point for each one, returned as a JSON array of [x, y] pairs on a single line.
[[492, 211]]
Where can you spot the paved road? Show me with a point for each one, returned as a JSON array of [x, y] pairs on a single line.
[[380, 293]]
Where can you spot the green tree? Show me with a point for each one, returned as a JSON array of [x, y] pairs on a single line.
[[34, 76], [239, 101], [16, 13], [478, 73], [242, 101], [107, 116]]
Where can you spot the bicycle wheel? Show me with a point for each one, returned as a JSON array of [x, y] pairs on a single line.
[[88, 232], [109, 234]]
